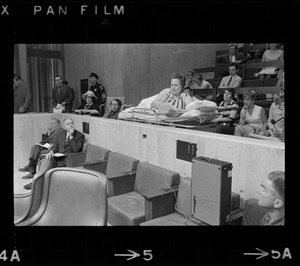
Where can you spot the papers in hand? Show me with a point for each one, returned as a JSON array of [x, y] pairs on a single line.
[[58, 109], [58, 154], [269, 71], [59, 106], [46, 145], [164, 108]]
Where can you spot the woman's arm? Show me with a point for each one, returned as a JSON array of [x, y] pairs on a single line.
[[159, 97], [271, 116], [263, 118], [242, 121]]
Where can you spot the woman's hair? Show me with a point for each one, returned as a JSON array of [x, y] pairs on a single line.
[[276, 45], [232, 93], [180, 77], [116, 100], [197, 76], [250, 93], [190, 72], [277, 179]]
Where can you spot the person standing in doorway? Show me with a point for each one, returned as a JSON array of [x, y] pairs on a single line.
[[22, 95]]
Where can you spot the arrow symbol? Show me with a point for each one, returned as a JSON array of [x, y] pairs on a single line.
[[132, 255], [262, 254]]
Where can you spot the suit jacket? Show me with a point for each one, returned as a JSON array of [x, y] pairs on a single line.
[[238, 56], [51, 139], [75, 144], [22, 98], [66, 96], [236, 82]]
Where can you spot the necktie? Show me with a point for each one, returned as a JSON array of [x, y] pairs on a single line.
[[59, 89], [229, 81], [67, 143]]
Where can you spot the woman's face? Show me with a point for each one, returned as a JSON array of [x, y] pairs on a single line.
[[273, 46], [114, 106], [248, 101], [176, 87], [227, 95], [88, 100]]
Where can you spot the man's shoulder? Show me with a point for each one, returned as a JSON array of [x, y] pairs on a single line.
[[79, 134]]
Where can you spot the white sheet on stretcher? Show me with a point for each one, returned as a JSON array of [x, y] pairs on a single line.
[[143, 110]]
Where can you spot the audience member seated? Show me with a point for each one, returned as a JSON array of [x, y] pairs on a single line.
[[174, 95], [36, 152], [272, 54], [253, 118], [229, 111], [198, 82], [114, 109], [276, 117], [232, 80], [68, 141], [189, 78], [90, 107], [272, 198], [235, 56]]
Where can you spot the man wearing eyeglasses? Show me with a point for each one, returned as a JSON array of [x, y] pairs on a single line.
[[62, 95]]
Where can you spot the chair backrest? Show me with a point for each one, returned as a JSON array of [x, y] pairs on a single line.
[[72, 197], [184, 197], [151, 177], [95, 153], [119, 163]]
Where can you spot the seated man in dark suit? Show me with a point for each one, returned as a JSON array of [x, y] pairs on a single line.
[[37, 151], [68, 141], [236, 57]]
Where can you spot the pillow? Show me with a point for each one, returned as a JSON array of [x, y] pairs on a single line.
[[191, 113], [146, 103], [196, 105]]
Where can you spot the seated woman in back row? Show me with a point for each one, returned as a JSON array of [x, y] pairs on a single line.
[[89, 107], [253, 118], [229, 111], [276, 117], [174, 95], [114, 109]]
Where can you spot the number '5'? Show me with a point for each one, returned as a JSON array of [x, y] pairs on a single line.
[[147, 253]]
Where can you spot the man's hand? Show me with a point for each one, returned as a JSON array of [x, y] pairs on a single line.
[[49, 155], [71, 132], [48, 132], [63, 103]]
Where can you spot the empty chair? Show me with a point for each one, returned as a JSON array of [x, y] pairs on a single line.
[[26, 204], [94, 155], [71, 196], [120, 167], [181, 213], [137, 205]]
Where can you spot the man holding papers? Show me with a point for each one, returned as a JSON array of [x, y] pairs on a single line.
[[69, 140], [38, 150]]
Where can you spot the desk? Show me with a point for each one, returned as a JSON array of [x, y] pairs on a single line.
[[252, 159]]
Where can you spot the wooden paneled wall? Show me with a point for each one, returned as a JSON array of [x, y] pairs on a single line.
[[135, 71]]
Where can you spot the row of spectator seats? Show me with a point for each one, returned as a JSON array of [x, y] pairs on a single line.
[[249, 83], [139, 193]]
